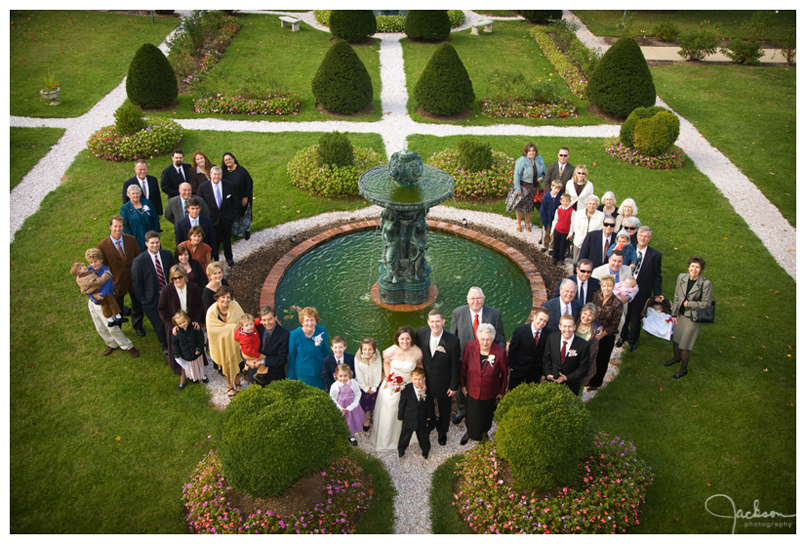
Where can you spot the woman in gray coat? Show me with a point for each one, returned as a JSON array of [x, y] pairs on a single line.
[[691, 292]]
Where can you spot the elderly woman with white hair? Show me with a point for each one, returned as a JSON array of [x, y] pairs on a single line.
[[627, 209], [139, 216], [585, 221], [483, 378], [631, 225], [608, 206]]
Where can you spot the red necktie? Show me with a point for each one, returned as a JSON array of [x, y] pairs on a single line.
[[160, 274], [475, 325], [562, 352], [607, 246], [537, 337]]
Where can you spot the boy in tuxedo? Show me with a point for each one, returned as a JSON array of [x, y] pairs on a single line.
[[338, 345], [412, 412]]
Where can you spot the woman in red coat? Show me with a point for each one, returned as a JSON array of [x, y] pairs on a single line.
[[179, 294], [484, 381]]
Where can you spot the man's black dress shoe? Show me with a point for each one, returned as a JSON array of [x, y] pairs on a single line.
[[400, 453], [457, 419], [670, 363], [619, 342], [680, 374], [126, 311], [633, 347], [140, 332], [231, 262], [443, 439], [425, 455], [464, 440], [247, 235]]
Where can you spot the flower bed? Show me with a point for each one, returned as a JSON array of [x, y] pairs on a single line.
[[672, 159], [484, 185], [532, 109], [274, 104], [573, 76], [328, 180], [209, 512], [606, 499], [161, 136], [191, 70]]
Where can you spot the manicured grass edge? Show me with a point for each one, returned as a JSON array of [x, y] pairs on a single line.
[[444, 516], [380, 516]]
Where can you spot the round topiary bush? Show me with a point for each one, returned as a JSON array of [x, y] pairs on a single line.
[[335, 149], [543, 432], [353, 25], [542, 17], [151, 81], [308, 174], [160, 137], [342, 83], [475, 155], [484, 185], [621, 80], [271, 437], [428, 25], [129, 119], [657, 134], [628, 127], [444, 87]]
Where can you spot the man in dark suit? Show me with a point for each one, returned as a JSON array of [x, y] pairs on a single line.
[[586, 285], [338, 344], [562, 169], [273, 345], [119, 252], [149, 186], [442, 356], [647, 274], [597, 242], [174, 174], [221, 197], [150, 274], [526, 349], [194, 218], [567, 356], [464, 322], [412, 410], [176, 208], [566, 303]]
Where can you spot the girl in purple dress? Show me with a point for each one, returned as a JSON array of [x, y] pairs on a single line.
[[347, 396]]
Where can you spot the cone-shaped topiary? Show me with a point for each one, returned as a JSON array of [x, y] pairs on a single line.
[[151, 82], [272, 437], [544, 431], [444, 87], [353, 25], [428, 25], [335, 148], [342, 83], [621, 80]]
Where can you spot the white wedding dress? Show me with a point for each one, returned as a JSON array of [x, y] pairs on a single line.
[[386, 427]]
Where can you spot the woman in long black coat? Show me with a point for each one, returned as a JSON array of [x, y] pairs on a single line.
[[171, 301], [244, 186]]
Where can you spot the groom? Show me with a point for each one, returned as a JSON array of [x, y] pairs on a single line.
[[441, 358]]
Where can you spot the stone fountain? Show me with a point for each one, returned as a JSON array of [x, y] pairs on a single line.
[[406, 189]]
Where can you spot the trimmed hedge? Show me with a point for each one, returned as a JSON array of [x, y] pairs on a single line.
[[335, 149], [160, 137], [652, 131], [330, 181], [491, 183], [475, 155], [129, 119], [444, 87], [354, 26], [621, 80], [428, 25], [542, 17], [342, 83], [151, 82], [628, 127]]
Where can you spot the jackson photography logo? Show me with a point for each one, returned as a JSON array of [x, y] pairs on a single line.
[[767, 520]]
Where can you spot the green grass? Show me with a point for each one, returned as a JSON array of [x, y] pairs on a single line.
[[729, 426], [444, 517], [68, 404], [89, 52], [510, 48], [608, 22], [748, 113], [496, 12], [28, 145], [263, 50], [380, 516]]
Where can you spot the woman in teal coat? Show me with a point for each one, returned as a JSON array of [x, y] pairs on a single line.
[[307, 348], [526, 179], [139, 216]]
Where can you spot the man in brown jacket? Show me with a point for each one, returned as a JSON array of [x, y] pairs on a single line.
[[119, 251]]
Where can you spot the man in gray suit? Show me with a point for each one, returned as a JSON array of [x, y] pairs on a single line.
[[562, 169], [464, 322], [176, 208]]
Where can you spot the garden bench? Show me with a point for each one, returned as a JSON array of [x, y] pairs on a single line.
[[293, 22], [486, 23]]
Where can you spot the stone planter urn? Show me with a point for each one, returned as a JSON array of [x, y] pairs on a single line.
[[51, 97]]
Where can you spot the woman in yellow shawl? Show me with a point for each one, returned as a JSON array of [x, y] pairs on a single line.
[[222, 321]]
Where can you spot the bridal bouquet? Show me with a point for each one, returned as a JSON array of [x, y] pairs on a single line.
[[395, 382]]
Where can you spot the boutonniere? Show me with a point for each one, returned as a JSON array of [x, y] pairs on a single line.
[[572, 353], [146, 208], [491, 359], [317, 340], [229, 195], [440, 349]]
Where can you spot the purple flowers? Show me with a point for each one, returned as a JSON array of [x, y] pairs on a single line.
[[672, 159]]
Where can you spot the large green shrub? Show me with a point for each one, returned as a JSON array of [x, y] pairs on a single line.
[[621, 80], [353, 25], [428, 25], [743, 52], [628, 126], [129, 119], [342, 83], [667, 32], [697, 44], [444, 87], [335, 148], [485, 185], [162, 136], [542, 16], [656, 135], [271, 437], [475, 155], [543, 432], [151, 82], [307, 173]]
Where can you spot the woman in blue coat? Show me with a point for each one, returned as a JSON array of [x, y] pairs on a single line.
[[526, 179], [139, 216], [307, 348]]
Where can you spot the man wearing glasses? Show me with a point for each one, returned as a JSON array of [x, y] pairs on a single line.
[[562, 169], [597, 242], [586, 285]]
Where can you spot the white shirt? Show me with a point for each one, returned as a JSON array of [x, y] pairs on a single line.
[[154, 259], [535, 331], [435, 340], [640, 254], [194, 222], [563, 307], [183, 297], [144, 186], [568, 346], [582, 289]]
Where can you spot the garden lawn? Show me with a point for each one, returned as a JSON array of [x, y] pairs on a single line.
[[264, 51], [729, 426], [729, 23], [69, 404], [508, 48], [89, 52], [746, 112], [28, 145]]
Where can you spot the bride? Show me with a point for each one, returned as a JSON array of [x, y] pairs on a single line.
[[398, 362]]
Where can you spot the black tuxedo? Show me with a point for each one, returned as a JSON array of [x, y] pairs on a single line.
[[575, 367], [413, 414], [329, 368], [275, 350], [650, 284], [592, 247], [224, 216], [147, 288], [441, 374], [182, 227], [170, 179], [553, 172], [153, 192], [553, 306], [526, 357], [590, 289]]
